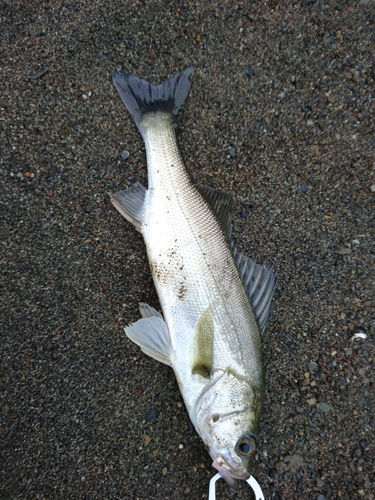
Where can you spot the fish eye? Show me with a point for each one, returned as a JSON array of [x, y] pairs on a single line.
[[246, 446]]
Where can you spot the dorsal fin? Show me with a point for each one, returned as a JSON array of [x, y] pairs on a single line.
[[222, 204], [260, 284]]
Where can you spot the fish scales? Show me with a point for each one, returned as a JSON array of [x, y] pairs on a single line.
[[210, 334], [184, 239]]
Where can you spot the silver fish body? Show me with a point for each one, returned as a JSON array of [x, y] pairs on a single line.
[[210, 332]]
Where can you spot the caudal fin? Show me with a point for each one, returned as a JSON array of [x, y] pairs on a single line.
[[142, 97]]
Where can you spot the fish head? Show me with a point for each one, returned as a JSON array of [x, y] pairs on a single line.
[[227, 418], [234, 461]]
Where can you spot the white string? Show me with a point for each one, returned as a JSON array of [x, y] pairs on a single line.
[[251, 481]]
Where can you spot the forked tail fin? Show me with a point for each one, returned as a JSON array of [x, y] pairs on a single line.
[[142, 97]]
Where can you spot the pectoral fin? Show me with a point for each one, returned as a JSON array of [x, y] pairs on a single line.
[[130, 202], [202, 355], [148, 311], [152, 336]]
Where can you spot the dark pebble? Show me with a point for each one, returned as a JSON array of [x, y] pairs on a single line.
[[151, 415], [360, 329], [303, 188], [312, 366], [249, 71], [232, 152]]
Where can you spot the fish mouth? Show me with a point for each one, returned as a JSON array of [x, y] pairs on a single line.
[[227, 471]]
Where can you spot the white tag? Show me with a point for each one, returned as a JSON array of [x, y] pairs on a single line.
[[251, 481]]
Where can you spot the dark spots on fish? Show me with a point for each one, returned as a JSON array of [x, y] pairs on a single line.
[[159, 272], [182, 291]]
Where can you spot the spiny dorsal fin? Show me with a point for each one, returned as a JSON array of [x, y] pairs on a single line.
[[222, 204], [202, 354], [260, 284]]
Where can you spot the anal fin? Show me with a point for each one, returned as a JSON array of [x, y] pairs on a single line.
[[130, 202]]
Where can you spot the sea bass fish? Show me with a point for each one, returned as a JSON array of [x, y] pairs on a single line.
[[215, 300]]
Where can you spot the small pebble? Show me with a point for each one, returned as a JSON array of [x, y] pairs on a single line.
[[303, 188], [360, 329], [325, 407], [232, 152], [151, 415], [146, 439], [293, 462], [310, 123], [125, 155], [249, 71], [344, 251], [312, 366]]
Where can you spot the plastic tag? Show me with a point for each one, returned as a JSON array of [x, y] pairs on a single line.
[[251, 481]]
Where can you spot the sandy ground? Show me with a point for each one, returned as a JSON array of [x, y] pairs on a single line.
[[85, 415]]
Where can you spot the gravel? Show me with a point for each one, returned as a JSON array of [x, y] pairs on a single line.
[[86, 415]]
